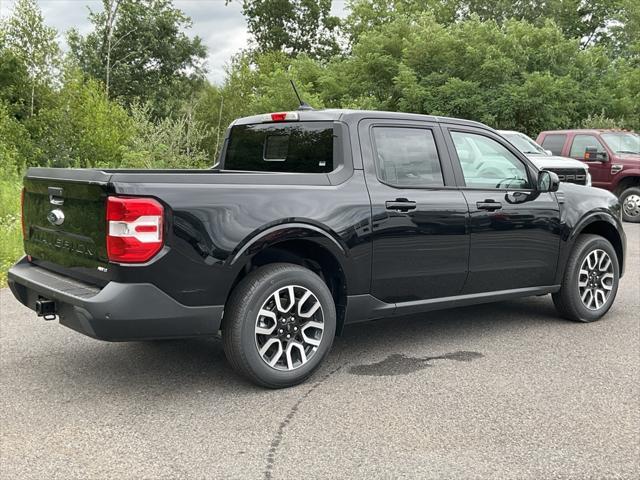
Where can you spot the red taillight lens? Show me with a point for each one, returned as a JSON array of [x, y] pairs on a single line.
[[24, 228], [134, 229]]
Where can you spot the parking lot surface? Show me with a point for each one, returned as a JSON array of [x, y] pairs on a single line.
[[506, 390]]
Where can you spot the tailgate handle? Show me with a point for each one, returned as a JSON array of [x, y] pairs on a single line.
[[55, 196]]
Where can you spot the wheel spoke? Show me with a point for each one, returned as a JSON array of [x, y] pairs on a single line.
[[600, 297], [607, 263], [278, 299], [267, 347], [266, 330], [311, 340], [607, 286], [309, 313], [289, 354]]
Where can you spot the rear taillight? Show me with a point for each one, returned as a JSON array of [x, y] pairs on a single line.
[[134, 229], [24, 229], [280, 117]]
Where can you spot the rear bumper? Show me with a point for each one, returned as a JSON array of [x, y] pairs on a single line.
[[117, 312]]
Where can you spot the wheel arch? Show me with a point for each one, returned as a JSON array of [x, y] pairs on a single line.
[[301, 244], [604, 226], [630, 178]]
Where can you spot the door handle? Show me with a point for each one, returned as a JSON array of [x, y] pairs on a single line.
[[400, 204], [489, 205]]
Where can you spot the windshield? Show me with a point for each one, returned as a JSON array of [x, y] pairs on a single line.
[[524, 144], [623, 142]]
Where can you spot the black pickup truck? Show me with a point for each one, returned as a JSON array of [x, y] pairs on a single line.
[[313, 220]]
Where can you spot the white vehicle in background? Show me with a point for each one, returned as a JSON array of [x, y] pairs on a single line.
[[567, 169]]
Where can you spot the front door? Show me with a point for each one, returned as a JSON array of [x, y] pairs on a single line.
[[600, 170], [515, 234], [420, 239]]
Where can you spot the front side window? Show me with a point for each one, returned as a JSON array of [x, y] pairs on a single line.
[[488, 164], [407, 157], [554, 143], [623, 142], [581, 143], [300, 147]]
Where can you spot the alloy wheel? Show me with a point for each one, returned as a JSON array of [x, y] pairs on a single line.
[[596, 279], [289, 327]]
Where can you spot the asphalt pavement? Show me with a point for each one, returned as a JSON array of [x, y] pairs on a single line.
[[506, 390]]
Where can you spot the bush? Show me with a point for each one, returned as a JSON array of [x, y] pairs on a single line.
[[167, 143], [11, 247]]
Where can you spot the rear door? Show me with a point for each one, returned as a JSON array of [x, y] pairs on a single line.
[[420, 240], [514, 228]]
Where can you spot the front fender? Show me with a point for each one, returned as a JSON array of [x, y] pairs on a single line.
[[581, 208]]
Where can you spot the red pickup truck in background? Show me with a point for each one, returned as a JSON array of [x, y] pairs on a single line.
[[613, 157]]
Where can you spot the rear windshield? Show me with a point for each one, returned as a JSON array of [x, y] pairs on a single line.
[[303, 147]]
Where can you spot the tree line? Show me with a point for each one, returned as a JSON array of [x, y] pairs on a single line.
[[133, 91]]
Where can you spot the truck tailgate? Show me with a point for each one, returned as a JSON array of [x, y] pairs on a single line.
[[64, 216]]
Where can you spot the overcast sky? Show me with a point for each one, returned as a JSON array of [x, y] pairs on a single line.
[[222, 28]]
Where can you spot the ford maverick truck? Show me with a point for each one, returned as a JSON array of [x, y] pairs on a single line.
[[312, 221]]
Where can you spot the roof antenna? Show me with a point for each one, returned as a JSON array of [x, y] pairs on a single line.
[[303, 105]]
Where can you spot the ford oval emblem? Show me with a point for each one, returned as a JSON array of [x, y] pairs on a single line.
[[56, 217]]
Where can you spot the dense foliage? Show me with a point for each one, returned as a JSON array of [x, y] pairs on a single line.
[[132, 92]]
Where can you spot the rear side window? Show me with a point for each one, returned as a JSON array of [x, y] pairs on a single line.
[[554, 142], [407, 157], [300, 147]]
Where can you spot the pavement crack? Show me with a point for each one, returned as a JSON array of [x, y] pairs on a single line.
[[277, 439]]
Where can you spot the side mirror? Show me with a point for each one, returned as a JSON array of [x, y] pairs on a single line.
[[548, 181], [591, 154], [549, 153]]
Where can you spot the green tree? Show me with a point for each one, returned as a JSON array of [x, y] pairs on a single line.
[[14, 79], [587, 20], [139, 50], [34, 43], [81, 128], [293, 26]]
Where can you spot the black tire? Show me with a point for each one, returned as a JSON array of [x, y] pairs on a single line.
[[241, 315], [568, 301], [630, 202]]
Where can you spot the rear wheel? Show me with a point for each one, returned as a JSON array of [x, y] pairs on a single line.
[[279, 324], [630, 201], [590, 281]]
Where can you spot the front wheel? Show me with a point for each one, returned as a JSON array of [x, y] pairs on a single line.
[[630, 201], [590, 281], [279, 324]]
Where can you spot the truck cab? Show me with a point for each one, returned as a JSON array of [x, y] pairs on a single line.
[[613, 157]]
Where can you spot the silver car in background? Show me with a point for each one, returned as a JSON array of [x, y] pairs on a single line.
[[567, 169]]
